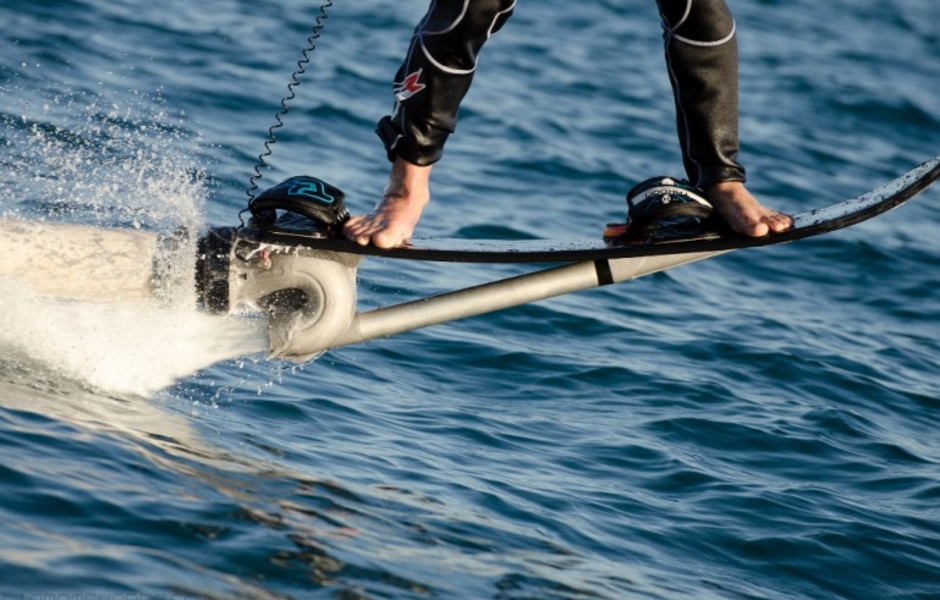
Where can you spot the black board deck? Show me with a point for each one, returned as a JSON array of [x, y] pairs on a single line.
[[805, 224]]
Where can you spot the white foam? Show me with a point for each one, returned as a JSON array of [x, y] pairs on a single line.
[[110, 159], [127, 348]]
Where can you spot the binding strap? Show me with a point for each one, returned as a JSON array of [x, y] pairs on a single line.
[[661, 198], [303, 195]]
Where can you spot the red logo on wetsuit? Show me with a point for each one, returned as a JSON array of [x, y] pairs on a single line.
[[409, 87]]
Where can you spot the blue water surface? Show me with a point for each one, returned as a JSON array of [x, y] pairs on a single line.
[[760, 425]]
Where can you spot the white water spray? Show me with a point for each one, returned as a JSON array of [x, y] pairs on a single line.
[[121, 347], [80, 300]]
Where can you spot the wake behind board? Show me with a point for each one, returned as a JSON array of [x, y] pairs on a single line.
[[806, 224]]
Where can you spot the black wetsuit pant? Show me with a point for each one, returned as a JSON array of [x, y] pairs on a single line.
[[701, 57]]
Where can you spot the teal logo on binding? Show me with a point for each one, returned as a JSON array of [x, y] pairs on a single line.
[[314, 190]]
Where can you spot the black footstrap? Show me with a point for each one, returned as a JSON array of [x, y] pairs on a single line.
[[303, 195], [666, 207]]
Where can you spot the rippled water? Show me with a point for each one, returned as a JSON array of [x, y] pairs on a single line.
[[760, 425]]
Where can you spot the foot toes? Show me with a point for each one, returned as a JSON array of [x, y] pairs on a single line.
[[779, 222], [387, 239]]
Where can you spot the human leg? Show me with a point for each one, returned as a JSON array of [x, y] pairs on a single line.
[[429, 86], [702, 60]]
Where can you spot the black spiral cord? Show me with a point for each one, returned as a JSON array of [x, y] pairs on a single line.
[[315, 32]]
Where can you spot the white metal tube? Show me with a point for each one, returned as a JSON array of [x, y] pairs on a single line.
[[505, 293]]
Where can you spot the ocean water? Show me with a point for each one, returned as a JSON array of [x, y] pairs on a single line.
[[760, 425]]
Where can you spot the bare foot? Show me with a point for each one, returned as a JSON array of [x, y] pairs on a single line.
[[395, 217], [743, 213]]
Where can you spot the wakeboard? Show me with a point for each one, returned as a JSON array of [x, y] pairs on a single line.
[[318, 203]]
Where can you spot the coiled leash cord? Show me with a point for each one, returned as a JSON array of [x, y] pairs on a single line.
[[315, 32]]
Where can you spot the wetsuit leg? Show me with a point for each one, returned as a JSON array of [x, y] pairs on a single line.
[[436, 75], [702, 58]]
